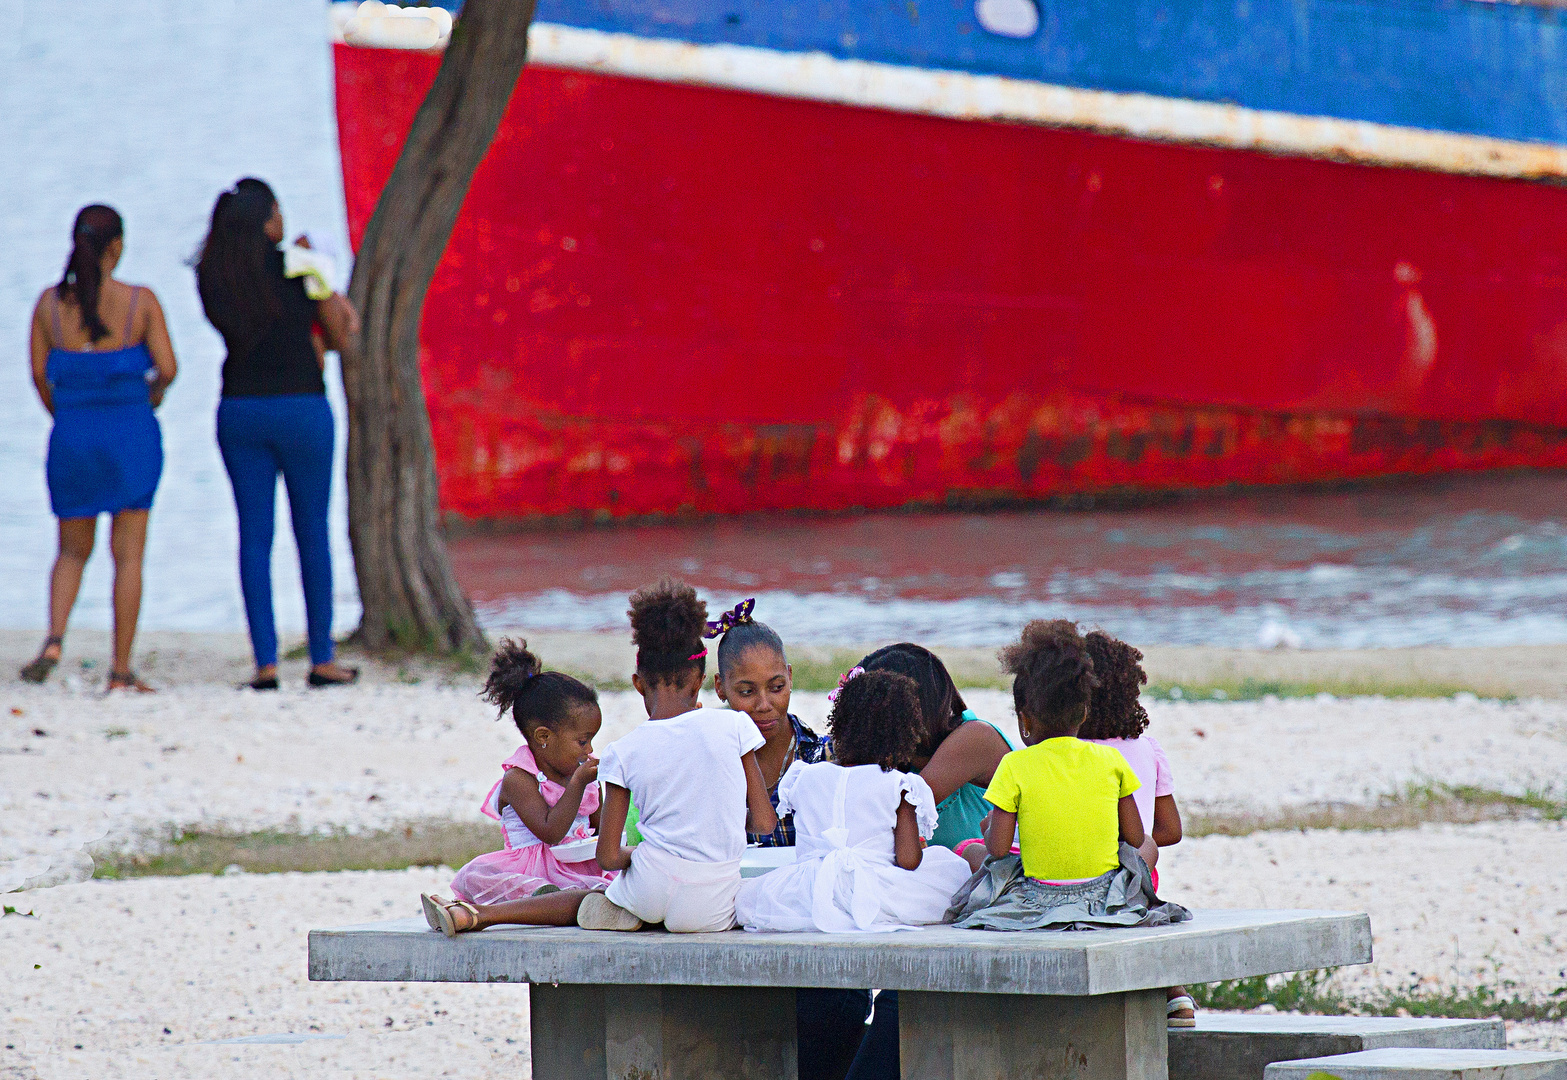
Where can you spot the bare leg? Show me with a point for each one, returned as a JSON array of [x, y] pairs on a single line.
[[457, 917], [128, 543], [76, 544]]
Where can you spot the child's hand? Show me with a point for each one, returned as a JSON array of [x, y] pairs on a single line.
[[587, 772]]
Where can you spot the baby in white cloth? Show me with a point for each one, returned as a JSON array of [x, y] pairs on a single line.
[[693, 775], [860, 823]]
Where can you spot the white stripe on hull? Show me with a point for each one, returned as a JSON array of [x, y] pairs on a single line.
[[962, 96]]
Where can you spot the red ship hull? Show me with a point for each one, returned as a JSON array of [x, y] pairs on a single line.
[[666, 298]]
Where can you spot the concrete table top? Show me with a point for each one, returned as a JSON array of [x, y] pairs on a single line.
[[1216, 944]]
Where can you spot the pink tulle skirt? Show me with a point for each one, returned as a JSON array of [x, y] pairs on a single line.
[[517, 873]]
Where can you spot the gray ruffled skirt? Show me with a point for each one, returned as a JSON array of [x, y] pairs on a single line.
[[1000, 897]]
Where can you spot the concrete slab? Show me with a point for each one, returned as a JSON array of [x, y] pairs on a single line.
[[1216, 944], [1230, 1047], [1423, 1064], [764, 860]]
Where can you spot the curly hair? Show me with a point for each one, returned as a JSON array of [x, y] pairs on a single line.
[[1053, 673], [1115, 713], [535, 697], [940, 703], [876, 721], [667, 621]]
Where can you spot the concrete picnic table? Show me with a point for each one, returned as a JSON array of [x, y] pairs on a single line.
[[972, 1004]]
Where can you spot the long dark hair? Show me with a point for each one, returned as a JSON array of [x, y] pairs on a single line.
[[96, 227], [941, 706], [231, 267]]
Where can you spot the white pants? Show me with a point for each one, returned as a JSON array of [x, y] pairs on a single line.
[[687, 897]]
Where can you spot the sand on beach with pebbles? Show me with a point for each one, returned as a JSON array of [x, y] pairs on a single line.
[[213, 959]]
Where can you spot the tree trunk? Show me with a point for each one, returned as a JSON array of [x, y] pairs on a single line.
[[410, 595]]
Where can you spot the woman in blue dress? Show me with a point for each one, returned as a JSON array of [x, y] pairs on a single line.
[[101, 360]]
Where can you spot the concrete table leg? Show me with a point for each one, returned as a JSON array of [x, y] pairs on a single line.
[[662, 1032], [1018, 1036]]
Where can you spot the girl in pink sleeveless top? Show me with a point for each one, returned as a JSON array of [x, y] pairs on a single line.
[[547, 799]]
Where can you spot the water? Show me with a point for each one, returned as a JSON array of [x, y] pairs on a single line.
[[155, 107], [1461, 561]]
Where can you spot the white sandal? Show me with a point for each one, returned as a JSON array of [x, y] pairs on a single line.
[[1181, 1004], [438, 913]]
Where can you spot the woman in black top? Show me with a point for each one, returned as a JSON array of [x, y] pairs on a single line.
[[274, 417]]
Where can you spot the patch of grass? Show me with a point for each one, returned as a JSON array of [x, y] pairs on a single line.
[[273, 852], [1312, 992], [1420, 803], [8, 910], [116, 733], [1250, 689]]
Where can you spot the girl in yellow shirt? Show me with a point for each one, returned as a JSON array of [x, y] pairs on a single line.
[[1068, 801]]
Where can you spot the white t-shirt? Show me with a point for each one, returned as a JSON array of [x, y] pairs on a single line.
[[685, 776]]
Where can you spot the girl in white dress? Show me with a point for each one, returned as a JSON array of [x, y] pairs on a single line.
[[860, 822]]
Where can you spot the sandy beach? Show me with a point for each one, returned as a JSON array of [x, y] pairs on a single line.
[[156, 976]]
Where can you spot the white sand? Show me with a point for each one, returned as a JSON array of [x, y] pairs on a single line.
[[123, 771], [219, 958]]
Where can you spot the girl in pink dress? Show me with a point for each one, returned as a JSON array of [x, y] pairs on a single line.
[[547, 799]]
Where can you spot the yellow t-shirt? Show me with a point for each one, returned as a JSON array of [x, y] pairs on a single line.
[[1064, 792]]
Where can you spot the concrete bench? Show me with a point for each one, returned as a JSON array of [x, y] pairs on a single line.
[[1230, 1047], [1423, 1064], [972, 1004]]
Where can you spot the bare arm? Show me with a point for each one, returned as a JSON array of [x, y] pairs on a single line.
[[38, 345], [1131, 822], [550, 824], [612, 854], [339, 319], [760, 816], [1166, 821], [967, 756], [906, 846], [1000, 831], [161, 348]]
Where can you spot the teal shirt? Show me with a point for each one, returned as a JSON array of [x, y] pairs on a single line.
[[959, 814]]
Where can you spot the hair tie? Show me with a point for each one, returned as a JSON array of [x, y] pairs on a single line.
[[740, 613], [698, 655], [832, 695]]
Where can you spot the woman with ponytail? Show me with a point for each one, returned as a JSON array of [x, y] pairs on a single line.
[[274, 416], [101, 360]]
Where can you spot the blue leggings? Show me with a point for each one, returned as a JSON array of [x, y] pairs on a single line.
[[260, 437]]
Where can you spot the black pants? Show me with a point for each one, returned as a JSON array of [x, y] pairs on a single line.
[[829, 1026], [878, 1056]]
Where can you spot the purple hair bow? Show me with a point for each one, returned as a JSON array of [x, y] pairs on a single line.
[[832, 695], [740, 613]]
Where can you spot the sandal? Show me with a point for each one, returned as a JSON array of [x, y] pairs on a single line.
[[438, 912], [1181, 1004], [258, 683], [318, 679], [39, 669], [127, 680]]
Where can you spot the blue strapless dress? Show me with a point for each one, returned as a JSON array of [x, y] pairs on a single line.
[[106, 449]]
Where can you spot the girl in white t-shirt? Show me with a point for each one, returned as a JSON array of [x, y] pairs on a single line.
[[860, 825], [1117, 718], [693, 774]]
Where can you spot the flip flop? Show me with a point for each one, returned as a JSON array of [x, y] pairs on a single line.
[[438, 913], [127, 680], [1184, 1003], [40, 668]]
